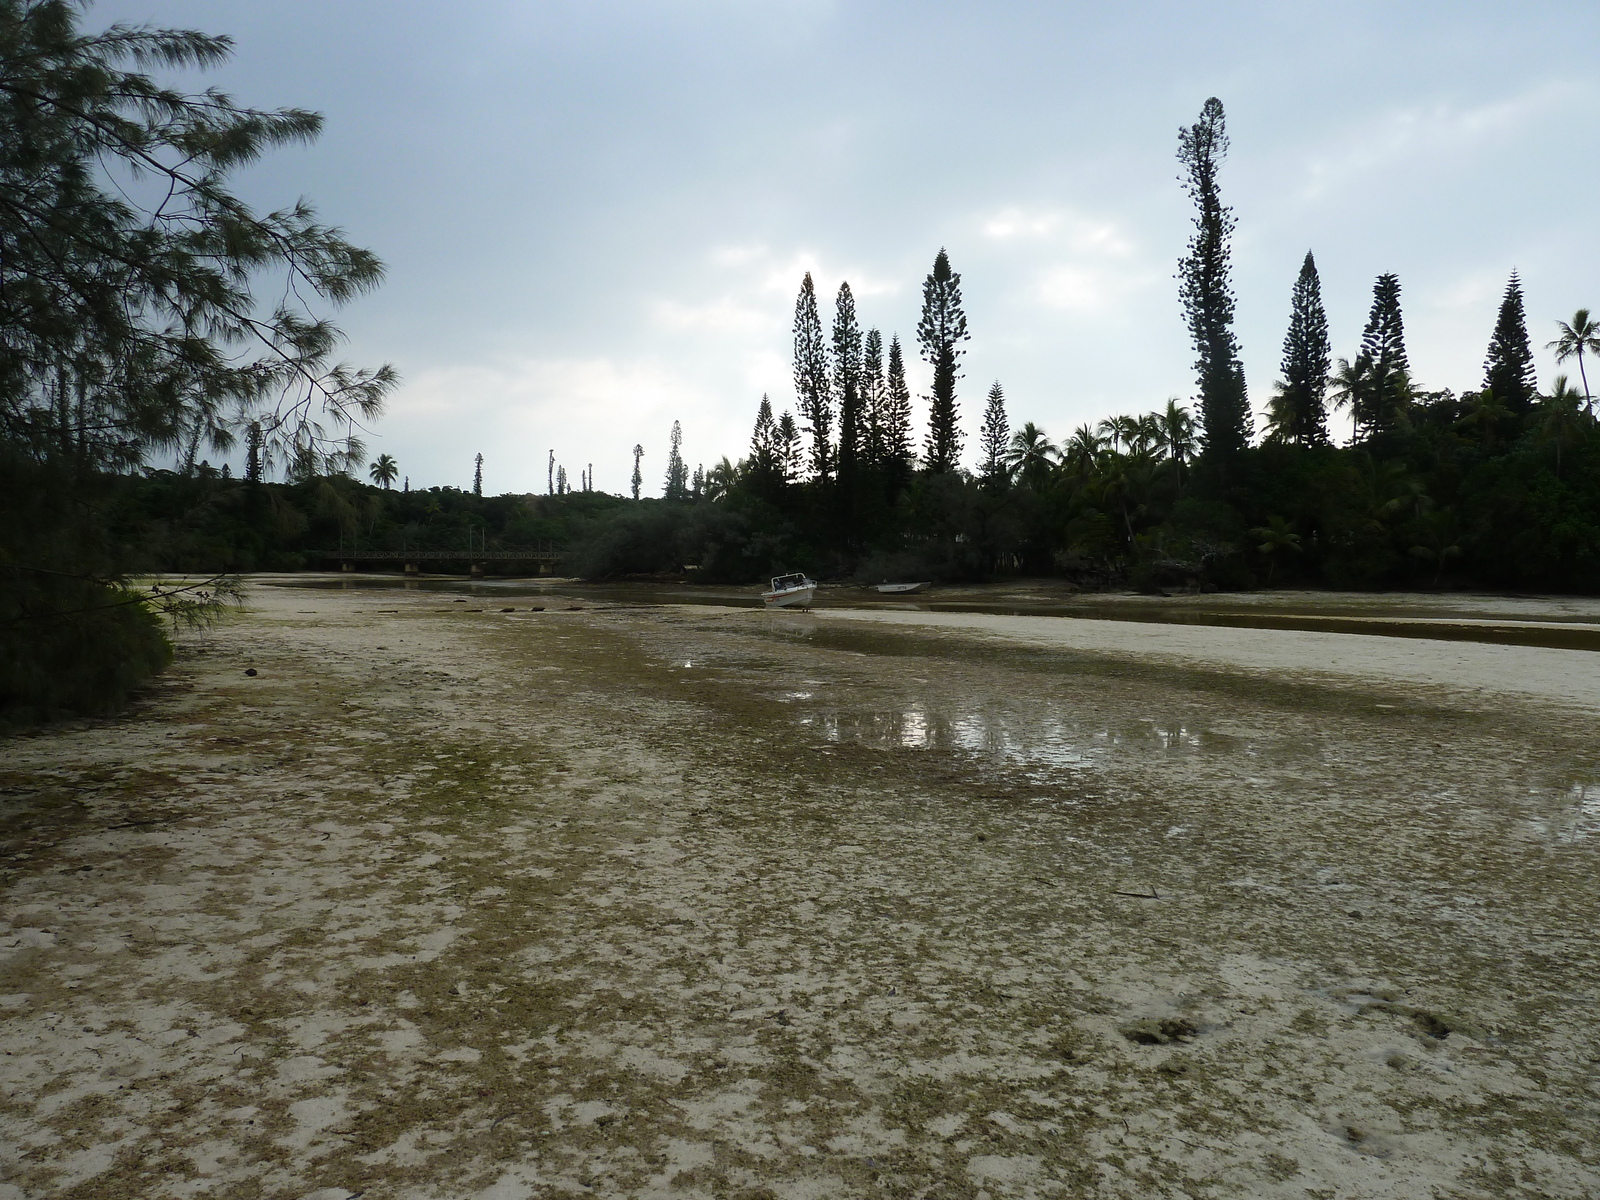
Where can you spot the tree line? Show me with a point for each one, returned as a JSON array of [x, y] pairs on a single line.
[[130, 332]]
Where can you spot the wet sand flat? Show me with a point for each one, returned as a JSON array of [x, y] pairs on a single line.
[[681, 902]]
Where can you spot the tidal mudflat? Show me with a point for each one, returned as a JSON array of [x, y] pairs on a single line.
[[613, 900]]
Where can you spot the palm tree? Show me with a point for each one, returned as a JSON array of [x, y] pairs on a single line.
[[1486, 413], [1272, 538], [1583, 334], [1347, 385], [1031, 455], [1119, 431], [1147, 435], [721, 480], [384, 472], [1559, 419], [1281, 414], [1177, 437], [1082, 452]]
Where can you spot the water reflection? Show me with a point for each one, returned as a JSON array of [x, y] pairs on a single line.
[[1040, 737], [1579, 818]]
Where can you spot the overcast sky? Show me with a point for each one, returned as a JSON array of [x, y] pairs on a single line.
[[596, 215]]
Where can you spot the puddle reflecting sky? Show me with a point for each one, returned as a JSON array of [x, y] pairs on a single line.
[[1035, 739], [1577, 820]]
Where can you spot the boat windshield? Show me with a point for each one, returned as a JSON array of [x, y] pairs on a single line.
[[784, 582]]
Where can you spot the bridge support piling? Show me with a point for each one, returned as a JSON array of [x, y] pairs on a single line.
[[347, 566], [411, 568], [477, 570]]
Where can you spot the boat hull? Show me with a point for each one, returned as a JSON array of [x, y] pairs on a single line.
[[789, 598], [902, 589]]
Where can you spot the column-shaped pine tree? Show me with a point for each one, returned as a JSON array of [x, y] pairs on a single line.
[[1307, 357], [1206, 291], [940, 332], [994, 439], [638, 476], [477, 476], [1382, 365], [764, 445], [897, 445], [1508, 369], [677, 484], [847, 386], [253, 464], [873, 393], [811, 385], [788, 447]]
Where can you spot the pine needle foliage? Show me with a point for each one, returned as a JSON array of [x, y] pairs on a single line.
[[1508, 369], [1382, 367], [1205, 289], [127, 314], [940, 332], [677, 482], [812, 387], [1306, 360], [994, 440], [132, 325], [897, 443], [874, 393], [847, 386]]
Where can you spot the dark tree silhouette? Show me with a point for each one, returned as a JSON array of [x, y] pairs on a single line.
[[677, 487], [1306, 359], [764, 445], [638, 475], [940, 332], [897, 445], [788, 447], [811, 385], [847, 387], [873, 394], [1205, 289], [995, 440], [477, 476], [1508, 369], [1383, 370], [252, 452]]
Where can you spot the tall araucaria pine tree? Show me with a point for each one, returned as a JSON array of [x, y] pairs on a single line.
[[1508, 370], [1206, 291], [1382, 365], [847, 386], [873, 393], [677, 473], [940, 332], [812, 388], [764, 444], [995, 439], [897, 445], [1307, 357]]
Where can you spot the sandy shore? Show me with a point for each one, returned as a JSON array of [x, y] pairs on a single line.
[[667, 901]]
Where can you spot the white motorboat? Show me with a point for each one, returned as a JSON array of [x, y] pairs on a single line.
[[904, 589], [790, 591]]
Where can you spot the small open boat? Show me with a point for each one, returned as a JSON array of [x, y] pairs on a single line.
[[790, 591], [904, 589]]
